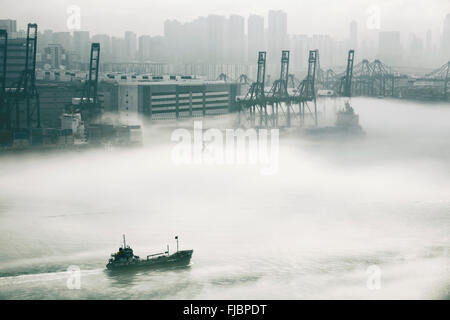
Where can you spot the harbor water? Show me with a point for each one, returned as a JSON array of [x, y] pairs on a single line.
[[335, 211]]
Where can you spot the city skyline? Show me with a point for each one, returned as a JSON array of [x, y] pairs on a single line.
[[224, 154], [144, 18], [235, 39]]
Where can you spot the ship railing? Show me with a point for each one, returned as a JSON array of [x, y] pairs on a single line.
[[156, 254]]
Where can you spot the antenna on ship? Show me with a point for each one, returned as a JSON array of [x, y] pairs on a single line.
[[176, 238], [124, 243]]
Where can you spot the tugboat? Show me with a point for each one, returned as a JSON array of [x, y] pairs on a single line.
[[125, 259], [347, 124]]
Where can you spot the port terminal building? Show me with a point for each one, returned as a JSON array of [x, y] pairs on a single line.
[[177, 99], [155, 97]]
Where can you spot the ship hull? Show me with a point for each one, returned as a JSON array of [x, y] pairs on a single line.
[[178, 259], [355, 131]]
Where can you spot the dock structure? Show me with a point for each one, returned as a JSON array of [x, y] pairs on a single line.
[[33, 100], [278, 105], [442, 76], [376, 79], [290, 101]]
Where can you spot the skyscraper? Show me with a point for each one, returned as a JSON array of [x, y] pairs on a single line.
[[234, 39], [354, 35], [118, 48], [327, 52], [131, 45], [55, 56], [145, 48], [63, 38], [81, 45], [415, 51], [197, 40], [172, 33], [45, 38], [255, 37], [9, 25], [446, 37], [158, 52], [429, 41], [277, 35], [105, 47], [299, 53], [390, 47], [215, 38]]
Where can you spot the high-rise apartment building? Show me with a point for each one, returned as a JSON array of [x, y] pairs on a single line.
[[9, 25], [118, 49], [429, 41], [173, 35], [215, 38], [255, 36], [299, 54], [277, 35], [235, 39], [446, 37], [55, 56], [81, 45], [353, 35], [105, 47], [145, 48], [131, 45], [389, 47], [63, 38]]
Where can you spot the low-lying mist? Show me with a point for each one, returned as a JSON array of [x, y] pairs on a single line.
[[335, 207]]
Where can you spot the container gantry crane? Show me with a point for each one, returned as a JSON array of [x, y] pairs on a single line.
[[442, 74], [90, 106], [26, 87], [255, 100], [307, 89], [346, 83]]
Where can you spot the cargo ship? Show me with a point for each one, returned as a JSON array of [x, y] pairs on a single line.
[[124, 259]]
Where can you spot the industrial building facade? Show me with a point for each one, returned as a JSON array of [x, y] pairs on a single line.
[[172, 99], [16, 61], [157, 100]]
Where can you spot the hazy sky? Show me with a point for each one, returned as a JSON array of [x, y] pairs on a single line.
[[304, 17]]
